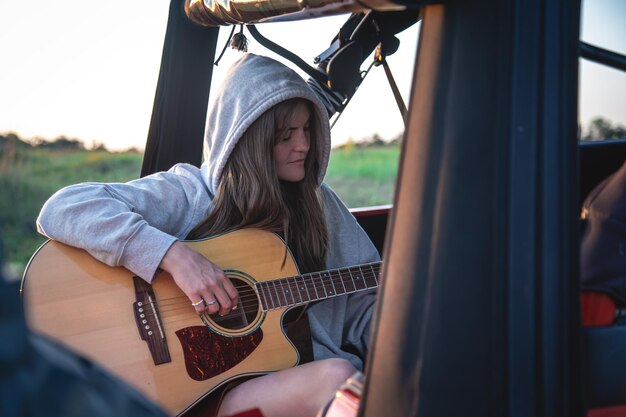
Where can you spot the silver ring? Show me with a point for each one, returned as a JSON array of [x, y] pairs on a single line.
[[210, 303], [197, 303]]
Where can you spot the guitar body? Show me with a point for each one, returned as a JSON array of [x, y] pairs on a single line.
[[150, 336]]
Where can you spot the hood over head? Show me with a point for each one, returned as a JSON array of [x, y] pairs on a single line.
[[253, 85]]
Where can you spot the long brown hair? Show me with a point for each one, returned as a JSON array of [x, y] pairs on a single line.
[[250, 194]]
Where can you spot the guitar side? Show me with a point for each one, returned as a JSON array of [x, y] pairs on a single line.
[[88, 306]]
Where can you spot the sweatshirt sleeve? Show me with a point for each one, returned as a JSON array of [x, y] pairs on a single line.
[[128, 224]]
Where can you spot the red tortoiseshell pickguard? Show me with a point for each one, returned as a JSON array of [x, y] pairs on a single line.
[[208, 354]]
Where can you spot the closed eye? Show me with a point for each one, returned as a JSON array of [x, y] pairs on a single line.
[[287, 132]]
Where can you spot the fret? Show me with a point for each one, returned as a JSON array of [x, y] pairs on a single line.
[[268, 293], [359, 284], [275, 295], [321, 282], [312, 282], [338, 272], [374, 276], [272, 295], [370, 274], [261, 291], [293, 286], [347, 280], [325, 278], [303, 286], [284, 291], [293, 297], [365, 278]]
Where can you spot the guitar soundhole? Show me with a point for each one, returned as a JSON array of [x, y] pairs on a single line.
[[247, 308]]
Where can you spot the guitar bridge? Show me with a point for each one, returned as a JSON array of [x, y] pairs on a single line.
[[148, 321]]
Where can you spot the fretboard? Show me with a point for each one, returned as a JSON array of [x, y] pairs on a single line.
[[301, 289]]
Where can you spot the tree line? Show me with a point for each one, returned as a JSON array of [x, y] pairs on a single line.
[[599, 128], [60, 143]]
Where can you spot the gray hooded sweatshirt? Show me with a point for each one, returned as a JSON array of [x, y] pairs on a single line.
[[134, 224]]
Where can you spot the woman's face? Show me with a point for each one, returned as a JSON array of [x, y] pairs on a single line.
[[292, 147]]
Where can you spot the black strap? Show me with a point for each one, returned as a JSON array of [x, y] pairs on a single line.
[[274, 47], [396, 91]]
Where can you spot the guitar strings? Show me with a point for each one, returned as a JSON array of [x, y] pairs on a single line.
[[215, 318], [247, 293], [283, 292], [246, 310], [311, 286], [172, 304], [336, 276]]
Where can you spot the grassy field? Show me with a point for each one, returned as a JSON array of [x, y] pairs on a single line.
[[364, 176], [28, 177], [33, 176]]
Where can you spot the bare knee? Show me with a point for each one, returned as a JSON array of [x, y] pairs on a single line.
[[334, 372], [299, 391]]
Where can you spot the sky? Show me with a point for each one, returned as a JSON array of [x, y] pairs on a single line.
[[89, 70]]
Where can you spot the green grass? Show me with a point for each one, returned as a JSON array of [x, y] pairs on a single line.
[[360, 176], [34, 175], [364, 176]]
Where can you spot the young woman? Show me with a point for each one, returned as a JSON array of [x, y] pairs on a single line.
[[266, 152]]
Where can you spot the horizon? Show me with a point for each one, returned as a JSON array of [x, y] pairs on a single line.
[[38, 141]]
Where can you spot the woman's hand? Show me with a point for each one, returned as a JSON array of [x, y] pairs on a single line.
[[200, 279]]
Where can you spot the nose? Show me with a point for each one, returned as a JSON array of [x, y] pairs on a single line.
[[301, 142]]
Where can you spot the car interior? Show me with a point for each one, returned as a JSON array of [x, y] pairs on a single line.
[[479, 308]]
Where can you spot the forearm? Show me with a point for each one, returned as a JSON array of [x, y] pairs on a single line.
[[132, 224], [86, 216]]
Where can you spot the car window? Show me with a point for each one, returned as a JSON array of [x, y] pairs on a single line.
[[366, 137], [602, 107]]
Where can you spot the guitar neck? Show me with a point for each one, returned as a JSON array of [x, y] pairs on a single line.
[[301, 289]]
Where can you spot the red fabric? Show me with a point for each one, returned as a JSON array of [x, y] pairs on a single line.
[[598, 309], [619, 411], [255, 412]]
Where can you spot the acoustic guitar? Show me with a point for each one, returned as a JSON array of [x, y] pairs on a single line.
[[151, 336]]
